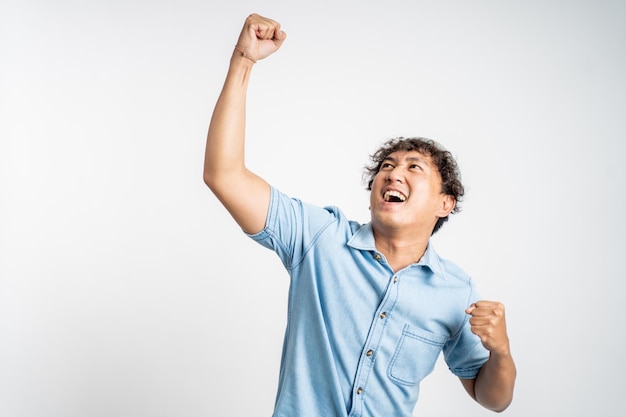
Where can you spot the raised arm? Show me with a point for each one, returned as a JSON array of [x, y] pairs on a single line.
[[493, 387], [244, 194]]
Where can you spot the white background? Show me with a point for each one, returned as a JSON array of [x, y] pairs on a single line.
[[127, 290]]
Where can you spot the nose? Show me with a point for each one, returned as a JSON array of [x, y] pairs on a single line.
[[394, 175]]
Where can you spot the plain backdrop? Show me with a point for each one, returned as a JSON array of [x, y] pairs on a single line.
[[127, 290]]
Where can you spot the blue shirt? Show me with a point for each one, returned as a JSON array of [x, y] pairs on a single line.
[[360, 337]]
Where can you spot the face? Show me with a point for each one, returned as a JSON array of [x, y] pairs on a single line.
[[406, 194]]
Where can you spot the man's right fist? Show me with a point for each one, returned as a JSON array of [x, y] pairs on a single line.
[[260, 37]]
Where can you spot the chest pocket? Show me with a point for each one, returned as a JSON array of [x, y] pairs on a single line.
[[415, 355]]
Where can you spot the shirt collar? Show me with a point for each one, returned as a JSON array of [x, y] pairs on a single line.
[[363, 239]]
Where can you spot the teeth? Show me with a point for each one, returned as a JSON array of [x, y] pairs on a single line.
[[389, 194]]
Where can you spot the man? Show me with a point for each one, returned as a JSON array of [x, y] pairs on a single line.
[[371, 306]]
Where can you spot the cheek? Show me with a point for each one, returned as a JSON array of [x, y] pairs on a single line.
[[377, 184], [373, 198], [430, 197]]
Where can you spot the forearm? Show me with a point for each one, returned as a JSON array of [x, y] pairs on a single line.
[[494, 385], [225, 139]]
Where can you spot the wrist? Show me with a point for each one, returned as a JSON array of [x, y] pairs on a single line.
[[242, 53], [239, 70], [239, 64]]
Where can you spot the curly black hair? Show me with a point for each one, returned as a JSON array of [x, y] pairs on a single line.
[[441, 158]]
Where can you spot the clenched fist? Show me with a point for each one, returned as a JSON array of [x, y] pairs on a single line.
[[488, 322], [260, 37]]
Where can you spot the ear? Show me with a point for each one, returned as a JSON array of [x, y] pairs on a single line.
[[447, 205]]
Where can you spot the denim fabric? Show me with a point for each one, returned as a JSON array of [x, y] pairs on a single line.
[[360, 337]]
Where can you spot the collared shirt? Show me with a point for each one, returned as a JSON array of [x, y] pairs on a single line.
[[360, 337]]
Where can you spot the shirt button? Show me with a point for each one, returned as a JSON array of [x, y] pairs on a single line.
[[395, 279], [359, 390], [377, 256], [383, 315], [370, 352]]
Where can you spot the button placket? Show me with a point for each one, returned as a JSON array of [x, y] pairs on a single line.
[[372, 342]]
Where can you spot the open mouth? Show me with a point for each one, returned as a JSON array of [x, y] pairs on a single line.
[[392, 196]]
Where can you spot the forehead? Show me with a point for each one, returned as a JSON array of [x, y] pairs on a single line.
[[409, 156]]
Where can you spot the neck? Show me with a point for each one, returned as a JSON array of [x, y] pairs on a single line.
[[400, 252]]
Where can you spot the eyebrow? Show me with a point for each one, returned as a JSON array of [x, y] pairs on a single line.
[[416, 158], [409, 159]]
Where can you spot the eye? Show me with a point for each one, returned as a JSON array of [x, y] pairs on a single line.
[[386, 165]]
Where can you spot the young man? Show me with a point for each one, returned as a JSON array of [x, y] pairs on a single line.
[[371, 306]]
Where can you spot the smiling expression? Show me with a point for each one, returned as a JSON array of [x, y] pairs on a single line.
[[406, 194]]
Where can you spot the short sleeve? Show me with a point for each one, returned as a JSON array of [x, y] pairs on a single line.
[[465, 353]]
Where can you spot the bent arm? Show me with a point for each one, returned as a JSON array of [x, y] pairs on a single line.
[[494, 385], [244, 194]]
